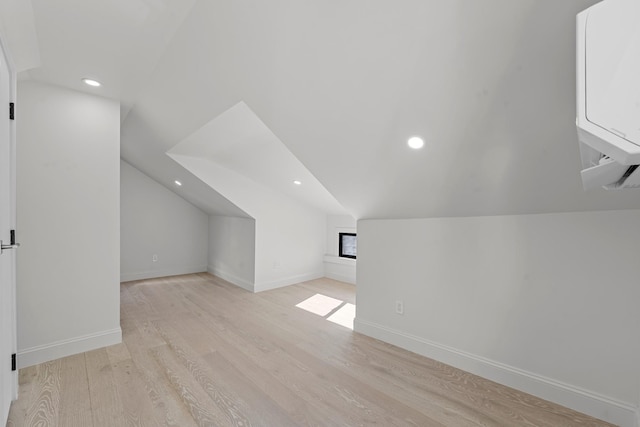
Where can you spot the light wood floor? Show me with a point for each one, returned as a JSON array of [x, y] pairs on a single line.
[[199, 351]]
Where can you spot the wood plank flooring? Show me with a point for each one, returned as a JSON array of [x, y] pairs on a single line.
[[198, 351]]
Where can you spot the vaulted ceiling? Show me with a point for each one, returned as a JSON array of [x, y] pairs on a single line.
[[341, 85]]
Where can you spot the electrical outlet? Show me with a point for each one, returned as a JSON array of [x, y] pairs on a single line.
[[155, 258], [399, 307]]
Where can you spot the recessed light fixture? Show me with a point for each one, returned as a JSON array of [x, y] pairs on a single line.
[[296, 182], [178, 183], [92, 82], [415, 142]]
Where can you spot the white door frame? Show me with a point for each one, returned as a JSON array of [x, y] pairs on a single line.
[[4, 109]]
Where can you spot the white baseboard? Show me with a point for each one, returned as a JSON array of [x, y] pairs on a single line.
[[231, 278], [44, 353], [620, 413], [127, 277], [286, 281], [264, 286]]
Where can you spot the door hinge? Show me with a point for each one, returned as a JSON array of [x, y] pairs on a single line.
[[12, 112], [12, 243], [13, 362]]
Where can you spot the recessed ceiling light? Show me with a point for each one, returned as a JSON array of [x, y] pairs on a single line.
[[178, 183], [415, 142], [296, 182], [92, 82]]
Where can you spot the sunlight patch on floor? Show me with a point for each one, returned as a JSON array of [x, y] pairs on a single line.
[[320, 304], [344, 316], [334, 310]]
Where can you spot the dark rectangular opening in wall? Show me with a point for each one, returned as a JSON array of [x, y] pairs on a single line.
[[347, 245]]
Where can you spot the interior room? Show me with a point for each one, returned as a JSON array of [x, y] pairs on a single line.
[[223, 212]]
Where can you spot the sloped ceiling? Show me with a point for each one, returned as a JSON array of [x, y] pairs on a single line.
[[117, 42], [238, 140], [489, 84]]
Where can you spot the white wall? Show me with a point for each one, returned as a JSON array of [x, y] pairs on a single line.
[[68, 215], [156, 221], [289, 244], [289, 236], [545, 303], [337, 268], [232, 249]]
